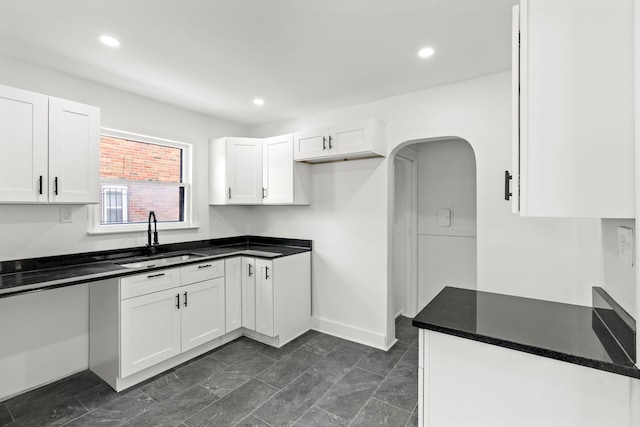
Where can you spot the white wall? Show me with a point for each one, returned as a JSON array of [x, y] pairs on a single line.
[[553, 259], [51, 337], [619, 278], [447, 256], [33, 231]]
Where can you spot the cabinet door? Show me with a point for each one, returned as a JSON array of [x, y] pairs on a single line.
[[313, 144], [23, 144], [576, 112], [352, 137], [244, 170], [233, 293], [74, 152], [264, 297], [248, 276], [203, 312], [149, 330], [277, 169]]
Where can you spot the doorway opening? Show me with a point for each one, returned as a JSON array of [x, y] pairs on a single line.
[[433, 237]]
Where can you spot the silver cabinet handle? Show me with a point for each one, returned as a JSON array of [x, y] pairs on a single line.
[[229, 193], [185, 299], [178, 301], [155, 275], [266, 273], [250, 273], [204, 266]]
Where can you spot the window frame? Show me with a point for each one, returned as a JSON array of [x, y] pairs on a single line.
[[95, 227]]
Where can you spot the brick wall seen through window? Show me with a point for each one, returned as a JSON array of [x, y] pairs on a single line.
[[138, 177]]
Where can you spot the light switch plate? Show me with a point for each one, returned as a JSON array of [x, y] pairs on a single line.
[[66, 215], [625, 245], [443, 217]]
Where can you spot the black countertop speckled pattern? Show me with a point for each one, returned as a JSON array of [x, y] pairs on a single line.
[[36, 274], [566, 332]]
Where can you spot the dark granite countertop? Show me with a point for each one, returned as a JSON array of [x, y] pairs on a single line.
[[565, 332], [37, 274]]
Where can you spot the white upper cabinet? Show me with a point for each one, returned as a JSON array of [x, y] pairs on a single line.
[[284, 180], [23, 146], [573, 109], [74, 152], [360, 139], [312, 144], [237, 167], [255, 171], [49, 149]]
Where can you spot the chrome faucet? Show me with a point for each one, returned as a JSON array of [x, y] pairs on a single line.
[[151, 246]]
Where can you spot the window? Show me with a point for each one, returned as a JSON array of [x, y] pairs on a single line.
[[139, 174]]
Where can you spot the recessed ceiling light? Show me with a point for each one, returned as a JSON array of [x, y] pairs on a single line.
[[258, 101], [426, 52], [109, 41]]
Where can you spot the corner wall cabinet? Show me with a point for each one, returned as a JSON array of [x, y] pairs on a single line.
[[49, 149], [256, 171], [235, 171], [573, 140], [360, 139]]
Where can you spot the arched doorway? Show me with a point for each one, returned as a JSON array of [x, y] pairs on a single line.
[[433, 236]]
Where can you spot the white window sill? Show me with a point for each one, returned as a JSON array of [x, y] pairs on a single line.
[[140, 228]]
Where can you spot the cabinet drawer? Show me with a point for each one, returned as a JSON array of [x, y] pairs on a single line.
[[202, 271], [153, 281]]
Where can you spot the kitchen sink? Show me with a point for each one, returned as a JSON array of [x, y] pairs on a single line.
[[159, 262]]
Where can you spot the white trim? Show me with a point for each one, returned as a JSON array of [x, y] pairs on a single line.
[[93, 212], [140, 228], [350, 333]]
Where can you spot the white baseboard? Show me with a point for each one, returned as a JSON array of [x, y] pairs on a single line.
[[350, 333]]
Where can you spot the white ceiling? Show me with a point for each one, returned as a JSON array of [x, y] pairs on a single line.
[[301, 56]]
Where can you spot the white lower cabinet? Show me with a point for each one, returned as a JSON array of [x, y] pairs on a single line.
[[276, 298], [248, 293], [140, 323], [144, 324], [233, 293], [150, 330], [264, 297], [468, 383], [203, 312]]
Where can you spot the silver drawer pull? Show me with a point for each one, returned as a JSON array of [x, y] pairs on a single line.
[[204, 266], [155, 275]]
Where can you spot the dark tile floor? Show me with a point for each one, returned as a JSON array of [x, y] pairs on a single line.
[[315, 380]]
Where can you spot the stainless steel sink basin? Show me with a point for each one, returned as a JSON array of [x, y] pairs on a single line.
[[159, 262]]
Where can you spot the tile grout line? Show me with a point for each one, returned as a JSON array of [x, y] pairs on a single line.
[[10, 413], [379, 385]]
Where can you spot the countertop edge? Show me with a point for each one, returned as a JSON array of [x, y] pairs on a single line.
[[114, 274], [632, 372]]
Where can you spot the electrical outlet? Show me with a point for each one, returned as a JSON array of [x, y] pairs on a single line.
[[65, 215], [625, 245]]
